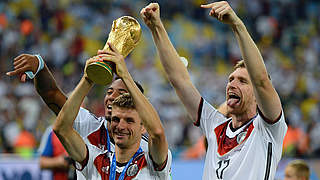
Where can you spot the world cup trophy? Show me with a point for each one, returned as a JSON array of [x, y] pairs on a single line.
[[124, 35]]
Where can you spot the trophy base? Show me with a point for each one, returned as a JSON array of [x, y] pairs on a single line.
[[100, 73]]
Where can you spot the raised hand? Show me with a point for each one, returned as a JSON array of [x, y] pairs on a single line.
[[23, 63], [223, 12], [89, 61], [151, 15], [113, 55]]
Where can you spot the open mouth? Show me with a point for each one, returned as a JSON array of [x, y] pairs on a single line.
[[109, 108], [233, 99]]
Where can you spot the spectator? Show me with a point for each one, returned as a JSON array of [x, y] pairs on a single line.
[[297, 170]]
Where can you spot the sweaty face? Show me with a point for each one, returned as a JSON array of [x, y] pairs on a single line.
[[239, 93], [126, 127], [290, 174], [116, 89]]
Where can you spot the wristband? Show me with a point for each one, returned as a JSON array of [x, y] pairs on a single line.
[[40, 67]]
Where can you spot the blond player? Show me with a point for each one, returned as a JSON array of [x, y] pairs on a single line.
[[130, 117], [249, 144]]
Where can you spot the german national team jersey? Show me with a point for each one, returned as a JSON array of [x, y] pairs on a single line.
[[94, 131], [99, 164], [251, 152]]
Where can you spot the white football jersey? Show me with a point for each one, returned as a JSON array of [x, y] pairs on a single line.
[[257, 151], [98, 166], [94, 131]]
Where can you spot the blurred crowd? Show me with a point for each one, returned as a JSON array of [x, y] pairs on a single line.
[[67, 32]]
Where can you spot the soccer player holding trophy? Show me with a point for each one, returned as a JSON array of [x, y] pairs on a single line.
[[125, 34], [131, 116]]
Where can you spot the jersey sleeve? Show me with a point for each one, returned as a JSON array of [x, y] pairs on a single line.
[[208, 117], [144, 143], [165, 173], [87, 167], [85, 122], [48, 148], [273, 133]]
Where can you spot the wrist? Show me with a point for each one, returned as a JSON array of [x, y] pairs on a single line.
[[237, 23], [157, 27], [41, 64], [238, 26]]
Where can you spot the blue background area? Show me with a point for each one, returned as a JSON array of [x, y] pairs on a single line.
[[187, 169], [182, 169]]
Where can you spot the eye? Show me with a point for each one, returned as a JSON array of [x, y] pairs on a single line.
[[122, 92], [110, 91], [243, 81], [230, 79], [130, 120], [115, 119]]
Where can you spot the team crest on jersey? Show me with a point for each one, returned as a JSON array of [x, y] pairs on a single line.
[[241, 136], [132, 170]]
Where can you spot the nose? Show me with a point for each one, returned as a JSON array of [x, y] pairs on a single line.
[[231, 85], [113, 95], [121, 125]]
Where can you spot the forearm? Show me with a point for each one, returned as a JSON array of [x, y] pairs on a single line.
[[52, 163], [251, 55], [266, 96], [47, 88], [63, 126], [169, 57], [177, 73], [69, 111], [158, 145], [147, 113]]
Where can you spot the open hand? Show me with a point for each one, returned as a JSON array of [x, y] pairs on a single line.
[[114, 56]]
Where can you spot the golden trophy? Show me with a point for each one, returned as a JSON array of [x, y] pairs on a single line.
[[124, 35]]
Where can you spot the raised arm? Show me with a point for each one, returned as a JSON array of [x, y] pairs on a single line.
[[177, 73], [63, 126], [44, 81], [266, 96], [158, 145]]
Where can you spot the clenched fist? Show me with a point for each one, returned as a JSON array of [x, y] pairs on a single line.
[[151, 15]]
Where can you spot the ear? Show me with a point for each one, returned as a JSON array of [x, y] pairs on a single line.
[[143, 129]]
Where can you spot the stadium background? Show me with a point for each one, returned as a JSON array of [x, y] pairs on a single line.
[[67, 32]]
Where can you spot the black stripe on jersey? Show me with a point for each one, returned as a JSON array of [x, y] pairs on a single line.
[[197, 123], [269, 155], [97, 118], [269, 121], [83, 163], [145, 137]]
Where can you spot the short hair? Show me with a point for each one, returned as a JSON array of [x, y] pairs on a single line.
[[301, 168], [240, 64], [124, 101], [137, 83]]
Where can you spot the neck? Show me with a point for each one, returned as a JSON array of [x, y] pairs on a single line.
[[123, 155], [239, 120]]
